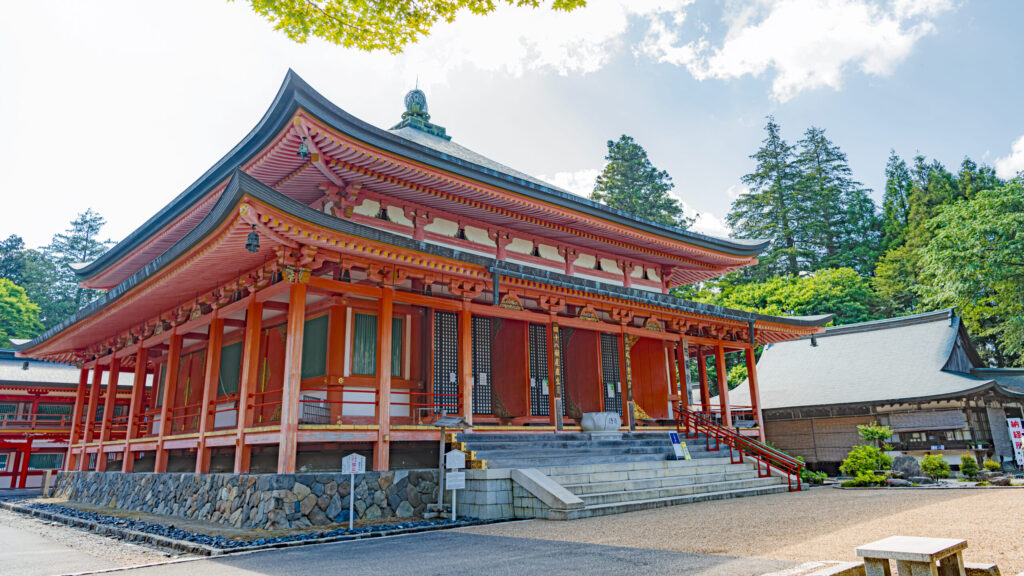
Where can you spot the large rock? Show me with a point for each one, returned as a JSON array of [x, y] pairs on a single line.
[[405, 510], [906, 466], [921, 480], [601, 422]]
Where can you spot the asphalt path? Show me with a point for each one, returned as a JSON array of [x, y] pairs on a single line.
[[449, 552], [26, 553]]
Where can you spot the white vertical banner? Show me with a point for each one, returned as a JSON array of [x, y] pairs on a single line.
[[1016, 429]]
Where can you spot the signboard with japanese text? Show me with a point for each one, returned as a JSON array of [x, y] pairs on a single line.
[[1016, 428], [353, 464]]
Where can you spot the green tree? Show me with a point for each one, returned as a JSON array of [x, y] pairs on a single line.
[[12, 259], [968, 466], [377, 24], [975, 261], [896, 204], [630, 183], [19, 317], [935, 466], [79, 244], [896, 282], [771, 210]]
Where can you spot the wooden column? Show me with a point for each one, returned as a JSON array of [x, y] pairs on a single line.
[[288, 444], [382, 448], [90, 415], [466, 362], [23, 472], [755, 391], [210, 381], [702, 375], [553, 411], [135, 408], [247, 382], [109, 402], [683, 373], [723, 386], [336, 357], [170, 386], [76, 420]]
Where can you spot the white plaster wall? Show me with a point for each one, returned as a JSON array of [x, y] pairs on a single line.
[[368, 208], [442, 226], [521, 246], [479, 236], [397, 215], [550, 252]]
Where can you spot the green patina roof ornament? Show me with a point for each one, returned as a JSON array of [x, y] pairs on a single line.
[[416, 116]]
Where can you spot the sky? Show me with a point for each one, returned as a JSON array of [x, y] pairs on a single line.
[[119, 105]]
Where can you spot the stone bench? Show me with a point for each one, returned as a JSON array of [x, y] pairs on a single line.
[[914, 556]]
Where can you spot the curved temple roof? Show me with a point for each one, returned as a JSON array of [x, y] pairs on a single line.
[[183, 213], [242, 186]]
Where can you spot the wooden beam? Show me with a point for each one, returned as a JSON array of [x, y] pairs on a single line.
[[755, 391], [288, 445], [135, 407], [723, 386], [170, 387], [108, 410], [247, 382], [466, 361], [210, 381], [76, 419], [382, 448]]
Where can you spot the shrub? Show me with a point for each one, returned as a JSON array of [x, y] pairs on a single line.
[[812, 477], [864, 479], [935, 466], [992, 466], [864, 458], [968, 466], [874, 434]]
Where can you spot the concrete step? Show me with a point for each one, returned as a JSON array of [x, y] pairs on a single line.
[[529, 437], [722, 474], [635, 505], [520, 453], [632, 470], [602, 498], [572, 444], [570, 460]]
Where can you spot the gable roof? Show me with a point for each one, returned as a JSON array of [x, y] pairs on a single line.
[[923, 356]]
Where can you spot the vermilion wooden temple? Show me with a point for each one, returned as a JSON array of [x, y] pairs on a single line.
[[331, 286]]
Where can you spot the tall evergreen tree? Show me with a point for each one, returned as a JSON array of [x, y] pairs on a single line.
[[840, 219], [772, 208], [12, 259], [77, 245], [896, 204], [630, 183], [19, 317]]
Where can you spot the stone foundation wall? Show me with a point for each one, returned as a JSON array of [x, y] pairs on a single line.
[[256, 500]]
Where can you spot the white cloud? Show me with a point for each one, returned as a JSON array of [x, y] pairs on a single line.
[[705, 222], [805, 43], [736, 190], [1012, 164], [580, 182]]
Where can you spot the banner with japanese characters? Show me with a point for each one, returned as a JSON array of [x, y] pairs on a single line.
[[1017, 438]]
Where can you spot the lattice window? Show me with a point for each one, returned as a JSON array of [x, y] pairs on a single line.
[[45, 461], [446, 361], [539, 389], [610, 375], [315, 410], [482, 340]]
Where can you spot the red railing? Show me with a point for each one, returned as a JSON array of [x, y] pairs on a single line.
[[21, 422], [692, 424], [431, 404]]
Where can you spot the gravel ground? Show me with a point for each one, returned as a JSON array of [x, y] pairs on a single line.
[[821, 524], [43, 548]]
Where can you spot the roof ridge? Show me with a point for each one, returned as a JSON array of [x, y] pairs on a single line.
[[943, 314]]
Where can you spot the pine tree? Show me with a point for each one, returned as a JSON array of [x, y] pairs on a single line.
[[772, 208], [77, 245], [630, 183], [896, 204]]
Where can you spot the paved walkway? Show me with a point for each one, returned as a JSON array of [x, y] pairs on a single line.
[[448, 553]]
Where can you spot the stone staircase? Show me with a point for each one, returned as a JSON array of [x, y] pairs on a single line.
[[635, 472]]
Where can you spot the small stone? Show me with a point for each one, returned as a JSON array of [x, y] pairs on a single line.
[[331, 488], [301, 491], [405, 510], [306, 506], [372, 513]]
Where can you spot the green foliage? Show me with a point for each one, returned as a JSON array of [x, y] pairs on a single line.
[[839, 291], [812, 477], [968, 466], [975, 261], [896, 203], [935, 466], [864, 478], [736, 375], [377, 24], [991, 465], [874, 434], [864, 458], [630, 183], [78, 244], [19, 317]]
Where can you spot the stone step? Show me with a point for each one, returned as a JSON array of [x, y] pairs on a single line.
[[570, 461], [677, 491], [519, 453], [635, 505], [627, 467], [557, 436], [722, 474], [474, 444]]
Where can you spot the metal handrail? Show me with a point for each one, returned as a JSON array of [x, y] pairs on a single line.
[[765, 455]]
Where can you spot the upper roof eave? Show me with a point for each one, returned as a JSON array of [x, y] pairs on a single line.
[[242, 184], [295, 93]]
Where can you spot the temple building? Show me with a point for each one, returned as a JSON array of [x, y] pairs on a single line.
[[920, 375], [329, 286]]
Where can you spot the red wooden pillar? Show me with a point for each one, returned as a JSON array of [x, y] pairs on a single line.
[[755, 391], [723, 386], [627, 379], [382, 448], [76, 420], [23, 473], [210, 379], [247, 382], [702, 375], [135, 408], [289, 436], [466, 362], [166, 405], [683, 373], [556, 414], [90, 415], [34, 410], [336, 357], [109, 401]]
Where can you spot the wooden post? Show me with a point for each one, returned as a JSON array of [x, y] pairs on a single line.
[[247, 382], [166, 408], [702, 375], [382, 448], [109, 402], [90, 415], [210, 380], [23, 474], [288, 444], [76, 420], [466, 362], [135, 408], [335, 358], [683, 373], [755, 391], [556, 414], [723, 385]]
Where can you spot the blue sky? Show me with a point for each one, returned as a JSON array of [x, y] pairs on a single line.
[[119, 106]]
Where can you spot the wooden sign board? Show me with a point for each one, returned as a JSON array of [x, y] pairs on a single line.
[[455, 459], [353, 464]]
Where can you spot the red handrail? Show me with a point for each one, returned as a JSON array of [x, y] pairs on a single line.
[[689, 422]]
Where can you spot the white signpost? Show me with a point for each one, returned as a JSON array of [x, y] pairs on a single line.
[[352, 464], [679, 447], [1016, 428], [455, 461]]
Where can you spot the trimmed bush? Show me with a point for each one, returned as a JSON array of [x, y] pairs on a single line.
[[992, 466], [968, 466], [935, 466], [865, 459]]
